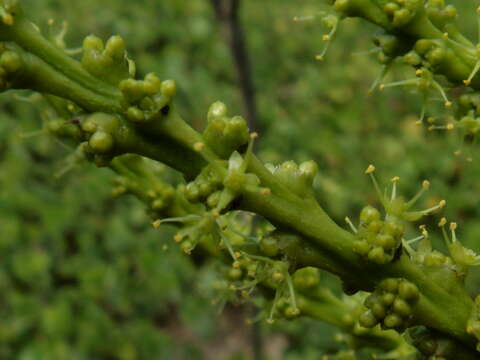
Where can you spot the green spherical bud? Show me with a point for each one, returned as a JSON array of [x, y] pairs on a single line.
[[390, 8], [306, 278], [115, 47], [217, 110], [11, 61], [234, 274], [390, 285], [377, 255], [101, 142], [369, 214], [392, 321], [361, 247], [269, 246], [375, 226], [169, 88], [412, 59], [423, 45], [402, 308], [191, 192], [402, 17], [378, 310], [408, 291], [371, 300], [93, 42], [387, 299], [186, 247], [368, 320], [385, 241], [135, 114]]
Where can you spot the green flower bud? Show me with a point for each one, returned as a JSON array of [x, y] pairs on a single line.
[[378, 310], [402, 308], [408, 291], [385, 241], [369, 214], [368, 320], [375, 226], [306, 278], [269, 246], [234, 274], [169, 88], [412, 59], [135, 114], [361, 247], [377, 255], [390, 285], [402, 17], [11, 61], [388, 298], [101, 142], [392, 321]]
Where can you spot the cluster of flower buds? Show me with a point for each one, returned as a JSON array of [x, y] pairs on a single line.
[[147, 98], [224, 134], [205, 188], [106, 61], [297, 178], [390, 305], [379, 240]]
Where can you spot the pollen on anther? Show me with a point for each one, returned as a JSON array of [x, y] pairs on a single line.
[[450, 127], [453, 226], [419, 72], [442, 203], [425, 184], [265, 191], [326, 37], [370, 169], [395, 179], [254, 135], [442, 222], [156, 224], [178, 238], [448, 104]]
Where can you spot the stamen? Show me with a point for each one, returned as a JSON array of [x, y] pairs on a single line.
[[349, 222], [370, 170], [473, 73], [379, 78], [425, 187], [453, 227], [394, 187]]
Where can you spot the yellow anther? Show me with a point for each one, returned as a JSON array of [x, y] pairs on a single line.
[[326, 37], [448, 104], [265, 191], [50, 21], [236, 264], [430, 120], [156, 224], [395, 179], [178, 238], [319, 57], [442, 222], [215, 213], [445, 35], [370, 169], [442, 203], [237, 254], [232, 287], [418, 122], [457, 153], [453, 226], [71, 107], [381, 87], [467, 82], [425, 184], [198, 146], [450, 127], [254, 135], [478, 10], [419, 72]]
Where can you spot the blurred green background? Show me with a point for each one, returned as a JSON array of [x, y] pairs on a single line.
[[84, 276]]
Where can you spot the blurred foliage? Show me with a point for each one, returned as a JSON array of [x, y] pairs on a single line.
[[84, 277]]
